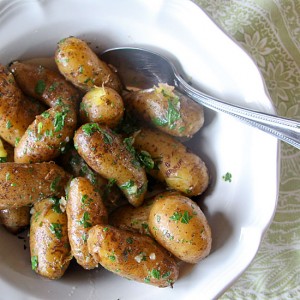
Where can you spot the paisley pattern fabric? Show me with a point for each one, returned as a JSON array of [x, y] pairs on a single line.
[[269, 30]]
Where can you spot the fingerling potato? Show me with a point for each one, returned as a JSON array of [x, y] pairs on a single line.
[[79, 64], [178, 224], [167, 110], [174, 164], [84, 210], [102, 105], [111, 195], [24, 184], [16, 111], [105, 152], [132, 255], [49, 244], [47, 135], [15, 220], [44, 84], [132, 218]]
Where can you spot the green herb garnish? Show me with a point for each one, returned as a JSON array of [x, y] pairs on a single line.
[[130, 187], [146, 160], [34, 262], [227, 177], [8, 124], [54, 183], [56, 229], [186, 217], [85, 219], [40, 87], [59, 121]]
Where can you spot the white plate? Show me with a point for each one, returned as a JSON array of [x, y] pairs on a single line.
[[239, 212]]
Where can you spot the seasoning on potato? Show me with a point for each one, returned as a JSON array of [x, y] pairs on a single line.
[[167, 110], [24, 184], [132, 255], [84, 210], [14, 220], [105, 152], [16, 111], [80, 65], [47, 136], [49, 244], [111, 195], [102, 105], [131, 218], [180, 169], [44, 84], [179, 225]]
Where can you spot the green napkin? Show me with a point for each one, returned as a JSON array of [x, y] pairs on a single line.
[[269, 31]]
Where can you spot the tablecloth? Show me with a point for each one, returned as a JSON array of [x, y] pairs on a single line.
[[269, 30]]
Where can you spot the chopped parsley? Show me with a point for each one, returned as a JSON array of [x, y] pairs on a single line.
[[155, 273], [184, 217], [8, 124], [56, 205], [40, 87], [85, 220], [56, 229], [130, 187], [227, 177], [54, 183], [3, 159], [90, 128], [40, 127], [129, 240], [85, 200], [45, 114], [59, 121], [34, 262], [146, 160]]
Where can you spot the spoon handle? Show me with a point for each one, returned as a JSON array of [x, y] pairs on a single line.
[[284, 129]]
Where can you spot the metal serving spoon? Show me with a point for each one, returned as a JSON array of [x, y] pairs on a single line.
[[140, 68]]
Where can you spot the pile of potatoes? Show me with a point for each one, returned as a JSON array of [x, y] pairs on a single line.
[[78, 153]]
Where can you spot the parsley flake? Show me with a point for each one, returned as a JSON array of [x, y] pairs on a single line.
[[56, 229]]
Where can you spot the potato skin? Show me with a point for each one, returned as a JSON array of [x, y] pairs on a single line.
[[49, 244], [24, 184], [47, 135], [15, 220], [132, 255], [84, 210], [167, 110], [44, 84], [111, 195], [105, 152], [180, 169], [102, 105], [132, 218], [179, 225], [16, 111], [79, 64]]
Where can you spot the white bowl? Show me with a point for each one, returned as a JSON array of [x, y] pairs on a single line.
[[239, 212]]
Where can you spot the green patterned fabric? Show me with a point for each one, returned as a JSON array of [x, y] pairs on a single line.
[[269, 30]]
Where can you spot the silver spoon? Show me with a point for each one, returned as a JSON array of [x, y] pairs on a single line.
[[140, 68]]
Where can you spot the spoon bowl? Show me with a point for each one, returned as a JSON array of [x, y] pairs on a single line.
[[140, 69]]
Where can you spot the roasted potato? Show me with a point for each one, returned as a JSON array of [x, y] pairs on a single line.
[[174, 164], [84, 210], [179, 225], [16, 111], [102, 105], [132, 255], [79, 64], [44, 84], [47, 136], [24, 184], [111, 195], [49, 245], [132, 218], [15, 220], [105, 152], [167, 110]]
